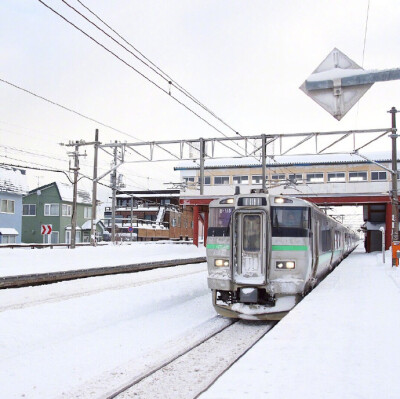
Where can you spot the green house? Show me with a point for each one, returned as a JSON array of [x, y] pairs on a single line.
[[52, 205]]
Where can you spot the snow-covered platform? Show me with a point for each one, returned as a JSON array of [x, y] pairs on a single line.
[[341, 341]]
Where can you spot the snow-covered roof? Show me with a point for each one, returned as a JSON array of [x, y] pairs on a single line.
[[8, 231], [283, 160], [88, 224], [67, 192], [13, 180]]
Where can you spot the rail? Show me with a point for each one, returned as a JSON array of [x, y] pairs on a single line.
[[35, 245]]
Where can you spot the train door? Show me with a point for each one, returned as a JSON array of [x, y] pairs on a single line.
[[249, 246]]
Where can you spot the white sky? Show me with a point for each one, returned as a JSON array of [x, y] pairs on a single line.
[[244, 60]]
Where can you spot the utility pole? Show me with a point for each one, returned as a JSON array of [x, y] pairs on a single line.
[[395, 198], [75, 169], [114, 195], [94, 190], [75, 154], [131, 217]]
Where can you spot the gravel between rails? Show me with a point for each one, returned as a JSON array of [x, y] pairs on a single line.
[[191, 374]]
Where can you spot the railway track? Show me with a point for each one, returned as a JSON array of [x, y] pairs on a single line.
[[55, 277], [189, 373]]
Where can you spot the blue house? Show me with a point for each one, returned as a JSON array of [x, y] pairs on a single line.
[[13, 185]]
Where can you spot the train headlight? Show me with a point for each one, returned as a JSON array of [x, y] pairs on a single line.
[[280, 200], [221, 262], [285, 264]]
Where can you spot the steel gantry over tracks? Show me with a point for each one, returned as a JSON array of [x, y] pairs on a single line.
[[258, 147]]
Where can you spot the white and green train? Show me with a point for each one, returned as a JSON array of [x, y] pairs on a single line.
[[265, 252]]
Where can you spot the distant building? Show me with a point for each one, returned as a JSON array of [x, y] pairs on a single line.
[[13, 185], [153, 215], [299, 175], [52, 204]]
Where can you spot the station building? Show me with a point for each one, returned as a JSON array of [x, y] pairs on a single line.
[[330, 180]]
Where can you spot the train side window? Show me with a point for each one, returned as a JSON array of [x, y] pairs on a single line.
[[290, 221]]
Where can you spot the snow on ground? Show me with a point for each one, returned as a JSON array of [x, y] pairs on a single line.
[[25, 260], [341, 341], [60, 347], [84, 338]]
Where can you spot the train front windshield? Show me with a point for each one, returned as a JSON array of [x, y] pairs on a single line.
[[290, 221], [219, 222]]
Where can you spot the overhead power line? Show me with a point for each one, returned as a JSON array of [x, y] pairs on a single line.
[[68, 109], [152, 65], [135, 69]]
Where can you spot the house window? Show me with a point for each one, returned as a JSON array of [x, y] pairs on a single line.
[[357, 176], [315, 177], [87, 212], [240, 179], [51, 209], [221, 180], [256, 179], [173, 222], [188, 179], [378, 176], [296, 177], [51, 238], [280, 176], [7, 239], [336, 177], [29, 210], [7, 206], [66, 210]]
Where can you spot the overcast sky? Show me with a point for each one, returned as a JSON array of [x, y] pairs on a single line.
[[245, 60]]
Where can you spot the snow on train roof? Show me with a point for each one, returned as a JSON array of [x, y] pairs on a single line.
[[278, 160]]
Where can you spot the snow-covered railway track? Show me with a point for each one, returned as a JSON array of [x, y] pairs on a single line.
[[48, 278], [189, 373], [35, 296]]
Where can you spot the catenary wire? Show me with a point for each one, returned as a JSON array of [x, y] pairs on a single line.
[[134, 69], [152, 65]]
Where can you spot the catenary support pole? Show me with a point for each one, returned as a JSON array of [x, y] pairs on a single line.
[[202, 147], [264, 162], [395, 198]]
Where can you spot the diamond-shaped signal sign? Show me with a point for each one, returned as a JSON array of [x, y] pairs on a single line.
[[338, 83], [333, 97]]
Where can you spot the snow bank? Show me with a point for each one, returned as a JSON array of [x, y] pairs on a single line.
[[26, 261]]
